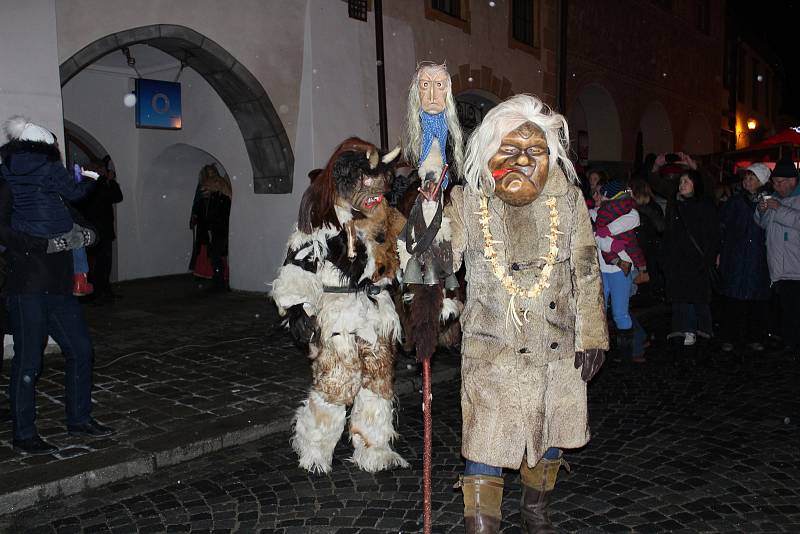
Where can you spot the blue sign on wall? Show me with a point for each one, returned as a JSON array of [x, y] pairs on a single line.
[[158, 104]]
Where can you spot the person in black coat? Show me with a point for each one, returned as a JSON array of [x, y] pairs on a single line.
[[38, 296], [743, 264], [210, 217], [691, 242], [98, 208]]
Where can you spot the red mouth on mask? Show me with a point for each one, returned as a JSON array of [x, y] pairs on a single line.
[[499, 174], [373, 201]]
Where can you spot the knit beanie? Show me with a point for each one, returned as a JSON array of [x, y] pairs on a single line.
[[784, 169], [612, 188], [21, 129], [761, 171]]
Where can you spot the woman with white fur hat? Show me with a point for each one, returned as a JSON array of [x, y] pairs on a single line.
[[743, 264], [39, 283]]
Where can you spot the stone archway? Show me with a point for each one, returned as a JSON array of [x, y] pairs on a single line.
[[265, 138], [596, 111], [84, 141], [472, 105], [698, 140], [656, 128]]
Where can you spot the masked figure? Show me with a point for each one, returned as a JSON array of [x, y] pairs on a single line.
[[534, 327], [334, 291], [432, 144]]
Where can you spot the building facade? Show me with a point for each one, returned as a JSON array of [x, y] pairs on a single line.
[[648, 69], [270, 87]]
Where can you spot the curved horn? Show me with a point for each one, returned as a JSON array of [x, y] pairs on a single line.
[[372, 157], [389, 156]]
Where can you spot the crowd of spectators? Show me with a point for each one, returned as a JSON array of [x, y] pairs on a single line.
[[665, 233]]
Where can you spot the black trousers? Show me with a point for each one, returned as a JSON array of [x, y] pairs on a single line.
[[789, 299], [100, 274], [744, 321]]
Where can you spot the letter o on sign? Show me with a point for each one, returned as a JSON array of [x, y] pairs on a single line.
[[160, 103]]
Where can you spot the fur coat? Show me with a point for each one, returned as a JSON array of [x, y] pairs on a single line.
[[520, 391]]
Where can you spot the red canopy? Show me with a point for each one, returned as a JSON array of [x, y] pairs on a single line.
[[767, 151], [790, 136]]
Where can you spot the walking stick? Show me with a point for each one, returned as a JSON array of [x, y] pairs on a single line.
[[427, 397], [427, 445]]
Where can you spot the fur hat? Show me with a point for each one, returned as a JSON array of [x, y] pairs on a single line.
[[784, 169], [761, 171], [19, 128], [612, 188]]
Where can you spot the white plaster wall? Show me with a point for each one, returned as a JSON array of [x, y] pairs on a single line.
[[29, 83]]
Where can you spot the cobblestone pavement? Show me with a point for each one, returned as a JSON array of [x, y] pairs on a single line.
[[168, 357], [684, 443]]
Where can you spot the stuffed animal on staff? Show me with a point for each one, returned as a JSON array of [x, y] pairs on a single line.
[[432, 132]]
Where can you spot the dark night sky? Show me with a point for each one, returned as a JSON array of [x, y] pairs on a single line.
[[777, 24]]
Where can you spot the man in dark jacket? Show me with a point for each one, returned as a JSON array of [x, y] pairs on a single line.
[[98, 208], [39, 301]]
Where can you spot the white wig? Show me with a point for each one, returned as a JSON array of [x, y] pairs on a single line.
[[412, 130], [504, 118]]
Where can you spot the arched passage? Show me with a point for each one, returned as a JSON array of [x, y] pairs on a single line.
[[656, 129], [165, 206], [596, 111], [81, 146], [268, 147], [698, 139], [472, 106]]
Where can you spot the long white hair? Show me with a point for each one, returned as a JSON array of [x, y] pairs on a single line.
[[412, 130], [505, 118]]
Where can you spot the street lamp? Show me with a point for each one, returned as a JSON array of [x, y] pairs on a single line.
[[752, 124]]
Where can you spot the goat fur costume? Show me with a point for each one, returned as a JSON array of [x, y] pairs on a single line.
[[340, 264]]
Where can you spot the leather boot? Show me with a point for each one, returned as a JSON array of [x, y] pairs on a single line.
[[483, 496], [537, 485]]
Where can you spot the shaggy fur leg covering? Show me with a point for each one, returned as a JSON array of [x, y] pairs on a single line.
[[371, 432], [318, 425]]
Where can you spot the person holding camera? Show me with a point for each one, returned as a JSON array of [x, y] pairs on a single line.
[[780, 218], [743, 264], [691, 241]]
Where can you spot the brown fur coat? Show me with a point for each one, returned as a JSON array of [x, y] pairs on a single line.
[[520, 391]]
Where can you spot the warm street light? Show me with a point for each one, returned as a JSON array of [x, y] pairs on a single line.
[[752, 124]]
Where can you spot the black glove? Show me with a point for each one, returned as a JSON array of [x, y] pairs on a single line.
[[589, 362], [302, 327]]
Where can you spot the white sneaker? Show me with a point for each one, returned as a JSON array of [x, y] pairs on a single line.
[[689, 339], [727, 347]]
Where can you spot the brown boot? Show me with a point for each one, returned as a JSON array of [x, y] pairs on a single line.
[[483, 495], [537, 485]]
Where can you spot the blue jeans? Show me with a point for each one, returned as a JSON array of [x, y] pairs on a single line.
[[32, 318], [617, 289], [477, 468], [80, 263]]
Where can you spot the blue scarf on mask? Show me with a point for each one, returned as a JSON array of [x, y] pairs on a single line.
[[434, 126]]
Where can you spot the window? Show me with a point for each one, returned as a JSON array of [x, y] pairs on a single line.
[[522, 19], [455, 12], [754, 95], [704, 16], [448, 7], [523, 23]]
